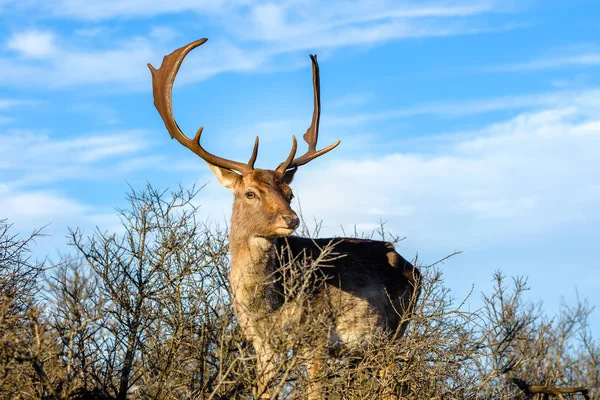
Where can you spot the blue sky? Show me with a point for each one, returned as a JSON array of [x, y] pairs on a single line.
[[466, 125]]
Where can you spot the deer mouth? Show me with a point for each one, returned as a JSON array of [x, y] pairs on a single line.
[[284, 231]]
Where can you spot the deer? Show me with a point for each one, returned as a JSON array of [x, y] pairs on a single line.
[[365, 287]]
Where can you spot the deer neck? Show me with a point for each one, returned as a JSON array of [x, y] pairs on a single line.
[[251, 253], [252, 258]]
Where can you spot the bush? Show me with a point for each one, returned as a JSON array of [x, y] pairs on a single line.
[[145, 313]]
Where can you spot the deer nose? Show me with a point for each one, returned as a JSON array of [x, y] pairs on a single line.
[[292, 221]]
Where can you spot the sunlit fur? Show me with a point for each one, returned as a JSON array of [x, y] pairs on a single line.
[[261, 216]]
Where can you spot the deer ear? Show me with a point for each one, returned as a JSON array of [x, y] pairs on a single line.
[[226, 177], [288, 176]]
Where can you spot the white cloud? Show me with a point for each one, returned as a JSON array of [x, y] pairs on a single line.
[[32, 44]]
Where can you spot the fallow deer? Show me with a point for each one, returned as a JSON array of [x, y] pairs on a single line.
[[366, 288]]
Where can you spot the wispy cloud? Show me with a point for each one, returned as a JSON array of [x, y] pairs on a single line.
[[351, 100], [64, 66], [460, 108], [108, 9], [97, 111], [28, 159], [589, 59], [122, 65], [7, 104], [10, 103], [252, 36], [273, 16], [332, 24]]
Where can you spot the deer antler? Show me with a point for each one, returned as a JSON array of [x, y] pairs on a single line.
[[312, 133], [162, 87]]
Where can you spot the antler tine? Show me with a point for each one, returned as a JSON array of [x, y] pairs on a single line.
[[162, 88], [252, 159], [286, 164], [312, 133]]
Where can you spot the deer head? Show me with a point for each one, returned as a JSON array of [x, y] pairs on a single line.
[[261, 197]]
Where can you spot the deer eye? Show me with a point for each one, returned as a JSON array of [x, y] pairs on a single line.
[[250, 195]]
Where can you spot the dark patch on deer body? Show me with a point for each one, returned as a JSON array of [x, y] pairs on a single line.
[[365, 269]]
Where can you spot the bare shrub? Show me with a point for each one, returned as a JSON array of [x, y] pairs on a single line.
[[166, 305], [145, 313], [26, 345]]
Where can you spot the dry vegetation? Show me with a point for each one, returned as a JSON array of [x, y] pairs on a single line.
[[146, 314]]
